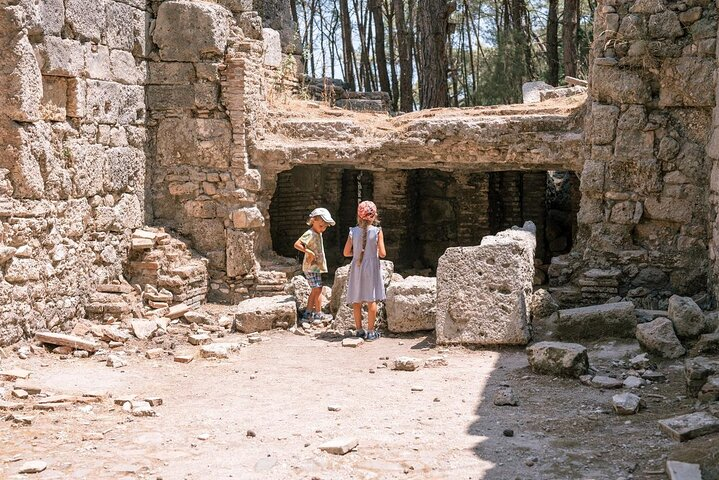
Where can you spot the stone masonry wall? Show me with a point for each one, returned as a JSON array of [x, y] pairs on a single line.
[[72, 166], [645, 206]]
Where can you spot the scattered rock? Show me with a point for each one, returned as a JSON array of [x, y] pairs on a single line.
[[218, 350], [542, 304], [633, 382], [254, 338], [505, 396], [339, 446], [658, 337], [203, 436], [199, 339], [199, 317], [626, 403], [352, 342], [34, 466], [557, 358], [14, 374], [416, 388], [144, 329], [686, 316], [601, 381], [251, 433], [334, 408], [154, 353], [597, 321], [407, 364], [683, 471], [692, 425], [115, 362], [437, 361], [184, 357], [508, 432], [71, 341]]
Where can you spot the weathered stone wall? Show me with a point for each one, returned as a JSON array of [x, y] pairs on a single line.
[[644, 188], [72, 166]]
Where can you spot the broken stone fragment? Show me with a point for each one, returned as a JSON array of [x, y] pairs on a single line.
[[339, 446], [683, 471], [10, 405], [352, 342], [144, 329], [407, 364], [115, 361], [626, 403], [114, 334], [34, 466], [184, 357], [707, 344], [154, 353], [410, 304], [14, 374], [139, 408], [597, 321], [505, 397], [658, 337], [557, 358], [686, 316], [542, 304], [633, 382], [254, 338], [436, 361], [601, 381], [176, 311], [218, 350], [71, 341], [264, 313], [692, 425], [199, 339], [710, 390], [200, 318]]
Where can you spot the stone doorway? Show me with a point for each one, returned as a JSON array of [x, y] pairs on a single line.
[[425, 211]]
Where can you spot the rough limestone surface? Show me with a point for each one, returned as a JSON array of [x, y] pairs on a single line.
[[558, 358], [597, 321], [483, 292], [411, 304], [686, 315], [265, 313], [206, 28], [542, 304], [659, 337], [626, 403]]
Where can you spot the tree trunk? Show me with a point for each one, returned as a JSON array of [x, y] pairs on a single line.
[[375, 7], [432, 29], [347, 48], [553, 44], [392, 54], [405, 58], [569, 37]]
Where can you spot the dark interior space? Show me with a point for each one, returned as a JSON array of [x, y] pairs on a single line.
[[425, 211]]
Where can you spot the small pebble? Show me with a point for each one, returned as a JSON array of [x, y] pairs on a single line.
[[436, 399], [251, 433], [417, 389], [508, 432], [334, 408], [204, 436]]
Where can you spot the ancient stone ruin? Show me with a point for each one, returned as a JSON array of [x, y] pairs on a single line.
[[114, 120]]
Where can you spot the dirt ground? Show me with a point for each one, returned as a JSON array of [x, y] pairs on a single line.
[[262, 413]]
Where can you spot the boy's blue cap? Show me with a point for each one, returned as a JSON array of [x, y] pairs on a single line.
[[323, 213]]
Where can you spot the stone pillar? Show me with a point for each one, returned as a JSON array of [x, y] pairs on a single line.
[[391, 197]]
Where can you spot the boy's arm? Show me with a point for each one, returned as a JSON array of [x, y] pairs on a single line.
[[303, 248]]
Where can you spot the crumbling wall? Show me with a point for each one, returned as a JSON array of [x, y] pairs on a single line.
[[72, 163], [644, 206]]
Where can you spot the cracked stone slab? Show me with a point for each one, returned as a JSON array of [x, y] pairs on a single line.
[[692, 425]]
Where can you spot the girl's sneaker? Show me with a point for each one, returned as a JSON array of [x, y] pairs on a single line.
[[360, 333], [372, 335]]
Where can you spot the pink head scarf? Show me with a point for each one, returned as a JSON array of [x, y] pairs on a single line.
[[367, 211]]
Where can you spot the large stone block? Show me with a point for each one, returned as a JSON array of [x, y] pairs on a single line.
[[61, 57], [614, 85], [194, 141], [483, 292], [88, 164], [124, 168], [113, 103], [604, 123], [557, 358], [265, 313], [54, 98], [273, 49], [686, 316], [170, 97], [688, 82], [126, 28], [189, 32], [97, 62], [52, 15], [21, 80], [658, 337], [597, 321], [411, 304], [171, 73], [240, 252], [86, 20], [124, 68]]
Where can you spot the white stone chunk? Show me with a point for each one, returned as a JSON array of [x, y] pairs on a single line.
[[411, 304], [683, 471], [557, 358], [339, 446], [692, 425], [483, 292], [626, 403], [264, 313], [658, 337]]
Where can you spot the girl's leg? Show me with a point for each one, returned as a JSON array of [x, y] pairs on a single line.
[[371, 315], [357, 313]]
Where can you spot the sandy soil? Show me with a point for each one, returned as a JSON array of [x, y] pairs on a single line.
[[433, 423]]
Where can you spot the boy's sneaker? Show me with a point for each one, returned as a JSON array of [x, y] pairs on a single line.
[[323, 317], [372, 335], [360, 333]]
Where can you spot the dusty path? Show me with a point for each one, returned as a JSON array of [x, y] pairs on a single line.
[[281, 389]]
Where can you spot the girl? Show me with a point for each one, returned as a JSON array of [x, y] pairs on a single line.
[[365, 245]]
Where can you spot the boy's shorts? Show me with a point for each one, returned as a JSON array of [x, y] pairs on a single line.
[[314, 279]]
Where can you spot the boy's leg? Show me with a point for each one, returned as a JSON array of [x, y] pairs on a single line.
[[318, 299], [357, 313], [371, 315]]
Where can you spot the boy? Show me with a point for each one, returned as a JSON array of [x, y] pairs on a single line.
[[314, 264]]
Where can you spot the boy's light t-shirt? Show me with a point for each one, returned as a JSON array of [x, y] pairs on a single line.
[[313, 240]]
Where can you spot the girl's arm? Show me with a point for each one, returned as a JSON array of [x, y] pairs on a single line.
[[347, 252], [381, 251]]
